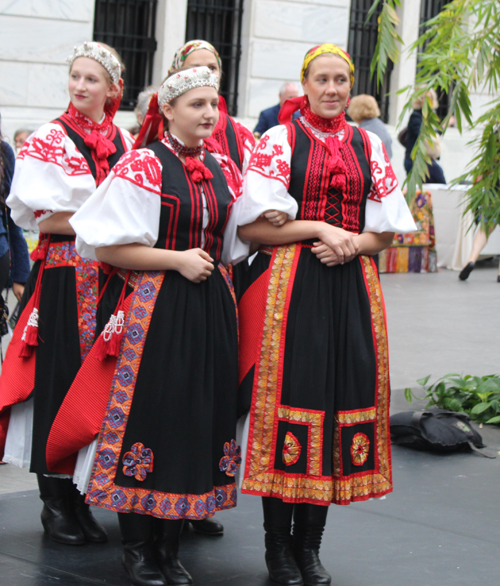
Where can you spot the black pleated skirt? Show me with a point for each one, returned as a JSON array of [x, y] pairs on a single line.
[[172, 410], [315, 378], [66, 325]]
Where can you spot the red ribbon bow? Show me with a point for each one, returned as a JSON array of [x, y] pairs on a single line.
[[103, 148], [197, 170], [336, 165]]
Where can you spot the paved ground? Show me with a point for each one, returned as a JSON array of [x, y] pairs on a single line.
[[438, 528]]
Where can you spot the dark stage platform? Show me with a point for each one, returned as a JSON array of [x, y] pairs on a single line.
[[439, 528]]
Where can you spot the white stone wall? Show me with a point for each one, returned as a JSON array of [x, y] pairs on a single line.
[[276, 36], [36, 38]]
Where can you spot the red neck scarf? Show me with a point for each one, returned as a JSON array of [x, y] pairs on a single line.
[[95, 137], [196, 168], [335, 166], [330, 125]]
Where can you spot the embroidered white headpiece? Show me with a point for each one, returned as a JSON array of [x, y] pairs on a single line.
[[181, 82], [98, 53]]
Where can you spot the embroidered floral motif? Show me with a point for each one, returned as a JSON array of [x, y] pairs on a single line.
[[269, 164], [87, 282], [140, 167], [40, 213], [291, 449], [50, 148], [359, 449], [231, 460], [138, 462], [314, 421], [63, 254], [384, 180]]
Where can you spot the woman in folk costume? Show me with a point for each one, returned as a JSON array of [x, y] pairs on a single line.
[[316, 366], [229, 137], [166, 449], [235, 141], [57, 170]]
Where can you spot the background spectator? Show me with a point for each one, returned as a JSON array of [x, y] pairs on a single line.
[[14, 259], [20, 136], [141, 108], [434, 171], [365, 112], [269, 117]]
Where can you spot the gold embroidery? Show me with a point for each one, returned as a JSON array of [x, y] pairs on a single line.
[[267, 392], [267, 375], [360, 449], [361, 416], [291, 449], [315, 421]]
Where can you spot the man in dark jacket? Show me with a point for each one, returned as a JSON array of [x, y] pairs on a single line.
[[269, 117]]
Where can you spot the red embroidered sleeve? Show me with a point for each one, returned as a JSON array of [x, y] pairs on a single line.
[[247, 138], [232, 175], [142, 168], [384, 179], [40, 213], [49, 147], [267, 160], [24, 149]]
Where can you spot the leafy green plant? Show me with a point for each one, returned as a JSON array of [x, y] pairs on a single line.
[[478, 396], [459, 53]]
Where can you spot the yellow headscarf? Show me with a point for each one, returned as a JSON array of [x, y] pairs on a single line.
[[321, 50]]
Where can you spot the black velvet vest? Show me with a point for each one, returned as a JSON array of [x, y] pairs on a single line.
[[77, 135], [310, 178], [181, 218]]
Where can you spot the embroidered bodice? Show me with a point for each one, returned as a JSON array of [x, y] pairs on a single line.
[[279, 166], [150, 198]]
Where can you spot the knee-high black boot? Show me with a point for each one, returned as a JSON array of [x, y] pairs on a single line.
[[58, 518], [280, 560], [92, 531], [309, 523], [168, 552], [138, 535]]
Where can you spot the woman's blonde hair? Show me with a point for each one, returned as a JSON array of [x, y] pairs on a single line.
[[363, 107]]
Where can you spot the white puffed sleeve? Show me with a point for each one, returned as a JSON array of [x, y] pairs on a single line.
[[267, 178], [234, 249], [386, 207], [51, 176], [124, 209]]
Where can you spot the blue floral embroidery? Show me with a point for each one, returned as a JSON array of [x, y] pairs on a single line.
[[231, 460], [138, 462]]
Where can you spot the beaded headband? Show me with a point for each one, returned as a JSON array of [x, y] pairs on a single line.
[[183, 81], [98, 53], [321, 50]]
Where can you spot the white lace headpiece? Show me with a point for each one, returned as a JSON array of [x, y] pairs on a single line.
[[181, 82], [98, 53]]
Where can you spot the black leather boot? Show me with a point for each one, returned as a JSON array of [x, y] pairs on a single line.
[[307, 533], [167, 549], [138, 555], [58, 518], [140, 563], [280, 559], [209, 527], [92, 531]]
